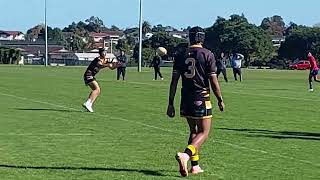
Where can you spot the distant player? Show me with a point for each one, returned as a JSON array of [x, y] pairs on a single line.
[[89, 77], [222, 67], [313, 71], [196, 65], [156, 62], [236, 62], [121, 70]]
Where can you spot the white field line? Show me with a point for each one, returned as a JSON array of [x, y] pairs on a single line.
[[171, 131], [46, 134]]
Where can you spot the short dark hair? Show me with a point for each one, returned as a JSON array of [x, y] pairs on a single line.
[[101, 50], [196, 35]]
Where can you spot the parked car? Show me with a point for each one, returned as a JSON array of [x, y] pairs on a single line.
[[300, 65]]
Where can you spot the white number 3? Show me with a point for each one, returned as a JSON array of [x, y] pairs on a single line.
[[191, 68]]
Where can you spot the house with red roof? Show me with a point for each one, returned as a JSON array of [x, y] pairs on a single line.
[[11, 35]]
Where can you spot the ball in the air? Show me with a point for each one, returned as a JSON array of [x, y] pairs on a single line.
[[161, 51]]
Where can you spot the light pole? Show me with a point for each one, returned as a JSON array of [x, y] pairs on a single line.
[[46, 32], [140, 37]]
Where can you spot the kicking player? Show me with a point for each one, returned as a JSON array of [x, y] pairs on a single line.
[[197, 67], [89, 77], [313, 71]]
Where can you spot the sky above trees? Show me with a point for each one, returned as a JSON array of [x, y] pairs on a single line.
[[178, 13]]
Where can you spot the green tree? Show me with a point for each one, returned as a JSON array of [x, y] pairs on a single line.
[[158, 28], [56, 35], [131, 31], [38, 33], [147, 54], [77, 43], [131, 41], [317, 25], [274, 26], [123, 45], [186, 29], [114, 28], [290, 28], [146, 27], [35, 33], [299, 42], [94, 24], [160, 39], [238, 35], [9, 56]]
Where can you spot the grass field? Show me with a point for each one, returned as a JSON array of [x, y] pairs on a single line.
[[270, 129]]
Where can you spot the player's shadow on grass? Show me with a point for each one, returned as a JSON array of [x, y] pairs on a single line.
[[145, 172], [46, 109], [277, 134]]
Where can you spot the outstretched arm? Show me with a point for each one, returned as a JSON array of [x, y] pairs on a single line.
[[217, 91], [172, 93], [111, 65]]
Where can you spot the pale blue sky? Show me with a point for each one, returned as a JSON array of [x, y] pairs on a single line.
[[24, 14]]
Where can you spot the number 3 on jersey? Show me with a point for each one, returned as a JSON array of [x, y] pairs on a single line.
[[192, 71]]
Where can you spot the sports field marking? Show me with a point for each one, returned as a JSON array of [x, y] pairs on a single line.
[[171, 131], [47, 134]]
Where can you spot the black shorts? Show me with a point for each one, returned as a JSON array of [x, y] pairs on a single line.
[[314, 72], [88, 79], [195, 108], [237, 71]]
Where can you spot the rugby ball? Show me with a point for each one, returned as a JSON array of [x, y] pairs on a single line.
[[161, 51]]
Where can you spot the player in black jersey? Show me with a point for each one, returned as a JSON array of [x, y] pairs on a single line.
[[196, 66], [89, 76]]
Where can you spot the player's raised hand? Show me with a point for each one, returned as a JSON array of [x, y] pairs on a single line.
[[171, 111], [221, 106]]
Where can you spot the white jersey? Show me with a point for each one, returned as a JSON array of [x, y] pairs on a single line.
[[237, 61]]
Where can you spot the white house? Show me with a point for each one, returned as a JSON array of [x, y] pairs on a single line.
[[11, 35], [148, 35], [179, 34], [276, 41]]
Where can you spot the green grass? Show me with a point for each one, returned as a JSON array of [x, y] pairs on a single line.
[[270, 129]]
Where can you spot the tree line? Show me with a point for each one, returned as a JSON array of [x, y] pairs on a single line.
[[9, 55], [233, 34]]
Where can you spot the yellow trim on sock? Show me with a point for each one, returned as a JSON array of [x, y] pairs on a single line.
[[195, 158], [192, 149]]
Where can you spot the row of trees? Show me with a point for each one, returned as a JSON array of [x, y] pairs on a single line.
[[225, 35], [79, 39], [238, 35], [9, 56], [299, 41]]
